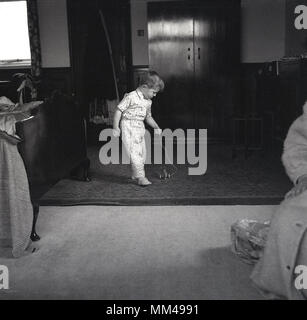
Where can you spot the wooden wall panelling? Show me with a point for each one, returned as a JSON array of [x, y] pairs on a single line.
[[290, 95], [59, 79]]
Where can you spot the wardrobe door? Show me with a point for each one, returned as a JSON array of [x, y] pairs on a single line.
[[171, 54], [206, 54], [216, 37]]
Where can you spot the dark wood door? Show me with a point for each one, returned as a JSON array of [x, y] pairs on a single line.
[[171, 51], [217, 61], [200, 88], [205, 67]]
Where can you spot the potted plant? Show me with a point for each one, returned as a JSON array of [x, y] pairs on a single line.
[[26, 82]]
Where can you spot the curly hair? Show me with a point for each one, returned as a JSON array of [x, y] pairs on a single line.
[[152, 80]]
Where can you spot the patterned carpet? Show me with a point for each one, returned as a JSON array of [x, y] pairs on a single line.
[[258, 180]]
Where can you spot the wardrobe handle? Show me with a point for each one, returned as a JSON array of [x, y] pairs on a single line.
[[198, 53], [189, 57]]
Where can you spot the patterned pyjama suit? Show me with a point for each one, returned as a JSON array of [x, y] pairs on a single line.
[[135, 109]]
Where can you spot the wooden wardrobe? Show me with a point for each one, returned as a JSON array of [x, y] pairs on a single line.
[[195, 47]]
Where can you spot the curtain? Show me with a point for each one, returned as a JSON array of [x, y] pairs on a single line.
[[36, 61]]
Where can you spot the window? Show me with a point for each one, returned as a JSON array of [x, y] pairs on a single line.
[[14, 36]]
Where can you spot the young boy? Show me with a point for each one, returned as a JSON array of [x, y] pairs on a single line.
[[130, 115]]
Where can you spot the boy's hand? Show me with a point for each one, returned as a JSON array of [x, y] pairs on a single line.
[[116, 132], [158, 131], [299, 188]]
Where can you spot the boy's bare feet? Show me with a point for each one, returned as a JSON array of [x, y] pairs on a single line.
[[143, 182]]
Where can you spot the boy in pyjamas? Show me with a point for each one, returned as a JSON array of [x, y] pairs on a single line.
[[129, 118]]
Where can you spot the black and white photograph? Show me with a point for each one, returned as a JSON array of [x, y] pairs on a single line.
[[153, 151]]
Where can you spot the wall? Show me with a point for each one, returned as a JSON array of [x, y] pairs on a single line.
[[54, 33], [139, 22], [262, 30], [262, 38], [296, 40], [268, 31]]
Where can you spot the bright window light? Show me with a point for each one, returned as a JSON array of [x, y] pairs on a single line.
[[14, 36]]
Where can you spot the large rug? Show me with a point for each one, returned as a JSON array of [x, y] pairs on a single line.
[[134, 253], [258, 180]]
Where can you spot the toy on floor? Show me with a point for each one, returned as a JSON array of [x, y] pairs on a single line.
[[165, 174]]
